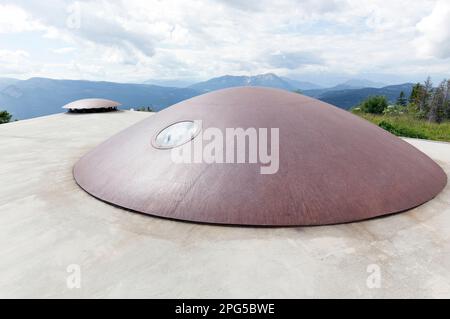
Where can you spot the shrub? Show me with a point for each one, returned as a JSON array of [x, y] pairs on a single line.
[[412, 109], [401, 131], [5, 117], [145, 109], [374, 104], [394, 110]]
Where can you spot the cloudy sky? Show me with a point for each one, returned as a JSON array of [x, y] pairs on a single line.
[[323, 41]]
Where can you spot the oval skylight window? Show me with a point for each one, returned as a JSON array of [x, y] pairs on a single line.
[[176, 134]]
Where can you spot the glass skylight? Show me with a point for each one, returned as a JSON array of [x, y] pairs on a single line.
[[176, 134]]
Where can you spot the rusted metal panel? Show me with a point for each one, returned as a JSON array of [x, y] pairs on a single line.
[[333, 166]]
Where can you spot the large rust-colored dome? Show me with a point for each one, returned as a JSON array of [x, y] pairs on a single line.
[[333, 166]]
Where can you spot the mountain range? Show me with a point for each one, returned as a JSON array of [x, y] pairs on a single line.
[[5, 82], [42, 96], [266, 80], [348, 98]]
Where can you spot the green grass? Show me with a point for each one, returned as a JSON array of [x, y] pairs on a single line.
[[408, 126]]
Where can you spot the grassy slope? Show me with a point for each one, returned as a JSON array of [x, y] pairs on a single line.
[[408, 126]]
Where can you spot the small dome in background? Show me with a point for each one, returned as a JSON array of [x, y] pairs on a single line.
[[92, 106]]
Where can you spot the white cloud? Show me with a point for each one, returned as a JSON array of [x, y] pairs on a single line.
[[138, 39], [13, 56], [14, 62], [293, 59], [435, 32], [64, 50], [15, 19]]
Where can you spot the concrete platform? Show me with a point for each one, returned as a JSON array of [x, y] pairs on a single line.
[[48, 224]]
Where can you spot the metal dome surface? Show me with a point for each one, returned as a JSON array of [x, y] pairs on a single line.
[[334, 167]]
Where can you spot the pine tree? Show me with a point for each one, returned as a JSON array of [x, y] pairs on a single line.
[[425, 97], [418, 94], [437, 104], [401, 100], [415, 93], [447, 100]]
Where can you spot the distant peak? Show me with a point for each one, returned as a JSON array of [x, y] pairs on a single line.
[[361, 83], [267, 75]]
